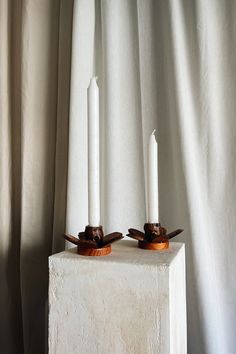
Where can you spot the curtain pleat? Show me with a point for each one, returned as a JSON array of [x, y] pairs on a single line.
[[168, 65], [10, 191], [35, 46]]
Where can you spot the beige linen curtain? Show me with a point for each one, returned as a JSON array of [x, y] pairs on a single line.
[[169, 65], [35, 47], [164, 64]]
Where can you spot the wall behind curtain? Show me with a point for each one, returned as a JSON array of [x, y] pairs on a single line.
[[35, 46], [169, 65]]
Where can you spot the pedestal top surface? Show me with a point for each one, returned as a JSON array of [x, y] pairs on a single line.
[[126, 252]]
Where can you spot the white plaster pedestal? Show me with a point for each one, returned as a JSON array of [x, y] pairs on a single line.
[[129, 302]]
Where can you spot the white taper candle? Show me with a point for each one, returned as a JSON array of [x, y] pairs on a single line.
[[93, 154], [152, 186]]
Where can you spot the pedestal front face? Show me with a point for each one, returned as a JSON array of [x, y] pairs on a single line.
[[129, 302]]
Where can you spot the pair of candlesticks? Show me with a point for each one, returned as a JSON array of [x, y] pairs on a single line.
[[92, 241]]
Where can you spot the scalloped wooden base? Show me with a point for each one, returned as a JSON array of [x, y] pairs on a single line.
[[94, 252], [153, 246]]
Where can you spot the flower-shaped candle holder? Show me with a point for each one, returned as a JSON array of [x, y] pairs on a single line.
[[92, 241], [154, 237]]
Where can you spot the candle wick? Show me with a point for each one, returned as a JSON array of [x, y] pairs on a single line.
[[94, 78], [154, 131]]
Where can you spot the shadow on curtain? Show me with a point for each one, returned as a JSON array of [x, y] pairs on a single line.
[[35, 47]]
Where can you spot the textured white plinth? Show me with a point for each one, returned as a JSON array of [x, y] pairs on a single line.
[[129, 302]]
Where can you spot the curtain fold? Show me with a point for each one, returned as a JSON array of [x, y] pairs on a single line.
[[167, 65], [35, 46], [10, 196]]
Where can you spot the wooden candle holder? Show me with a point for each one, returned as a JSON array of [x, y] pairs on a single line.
[[92, 241], [154, 237]]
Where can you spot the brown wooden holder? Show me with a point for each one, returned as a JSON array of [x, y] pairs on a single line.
[[154, 237], [92, 241], [94, 251], [153, 246]]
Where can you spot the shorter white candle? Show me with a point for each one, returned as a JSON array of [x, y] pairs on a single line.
[[93, 154], [152, 185]]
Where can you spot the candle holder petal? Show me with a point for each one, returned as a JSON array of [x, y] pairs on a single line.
[[71, 239], [174, 233], [136, 234], [110, 238], [88, 244]]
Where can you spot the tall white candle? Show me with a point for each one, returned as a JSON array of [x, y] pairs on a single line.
[[152, 186], [93, 154]]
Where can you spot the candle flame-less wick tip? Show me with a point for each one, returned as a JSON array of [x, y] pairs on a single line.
[[154, 131], [93, 80]]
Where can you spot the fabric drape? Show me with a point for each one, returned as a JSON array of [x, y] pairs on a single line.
[[35, 46], [168, 65]]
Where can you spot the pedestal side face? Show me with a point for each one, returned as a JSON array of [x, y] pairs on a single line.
[[115, 304], [178, 328]]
